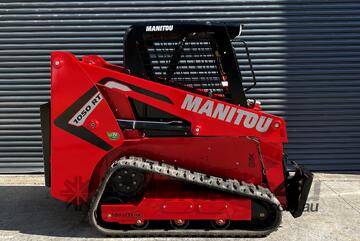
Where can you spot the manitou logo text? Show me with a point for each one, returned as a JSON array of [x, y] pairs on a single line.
[[226, 113], [159, 28], [79, 118]]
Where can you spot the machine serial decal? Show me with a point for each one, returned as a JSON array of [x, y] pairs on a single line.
[[159, 28], [79, 118], [66, 120], [226, 113]]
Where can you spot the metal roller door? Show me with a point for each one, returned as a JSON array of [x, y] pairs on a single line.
[[306, 56]]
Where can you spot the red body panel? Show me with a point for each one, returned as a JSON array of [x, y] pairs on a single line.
[[162, 202], [228, 140], [162, 208]]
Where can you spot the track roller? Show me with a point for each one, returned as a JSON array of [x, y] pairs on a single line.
[[140, 224], [220, 223], [179, 223]]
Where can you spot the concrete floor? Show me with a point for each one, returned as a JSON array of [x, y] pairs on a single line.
[[29, 213]]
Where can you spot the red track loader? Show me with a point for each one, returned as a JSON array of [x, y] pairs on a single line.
[[168, 144]]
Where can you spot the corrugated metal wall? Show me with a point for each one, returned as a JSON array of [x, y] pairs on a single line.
[[306, 55]]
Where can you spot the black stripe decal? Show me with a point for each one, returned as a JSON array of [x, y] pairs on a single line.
[[81, 132], [139, 90]]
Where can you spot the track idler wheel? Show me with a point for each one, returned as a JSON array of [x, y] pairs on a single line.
[[262, 214], [179, 223], [220, 223], [127, 182]]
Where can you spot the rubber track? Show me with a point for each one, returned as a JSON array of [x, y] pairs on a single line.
[[229, 185]]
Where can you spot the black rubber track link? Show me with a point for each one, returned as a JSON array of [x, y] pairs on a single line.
[[243, 189]]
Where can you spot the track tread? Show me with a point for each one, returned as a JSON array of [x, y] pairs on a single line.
[[227, 185]]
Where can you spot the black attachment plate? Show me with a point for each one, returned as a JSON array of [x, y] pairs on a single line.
[[297, 190]]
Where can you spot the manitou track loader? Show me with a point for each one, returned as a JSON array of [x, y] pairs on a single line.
[[168, 144]]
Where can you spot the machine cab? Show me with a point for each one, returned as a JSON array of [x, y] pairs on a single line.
[[196, 57]]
